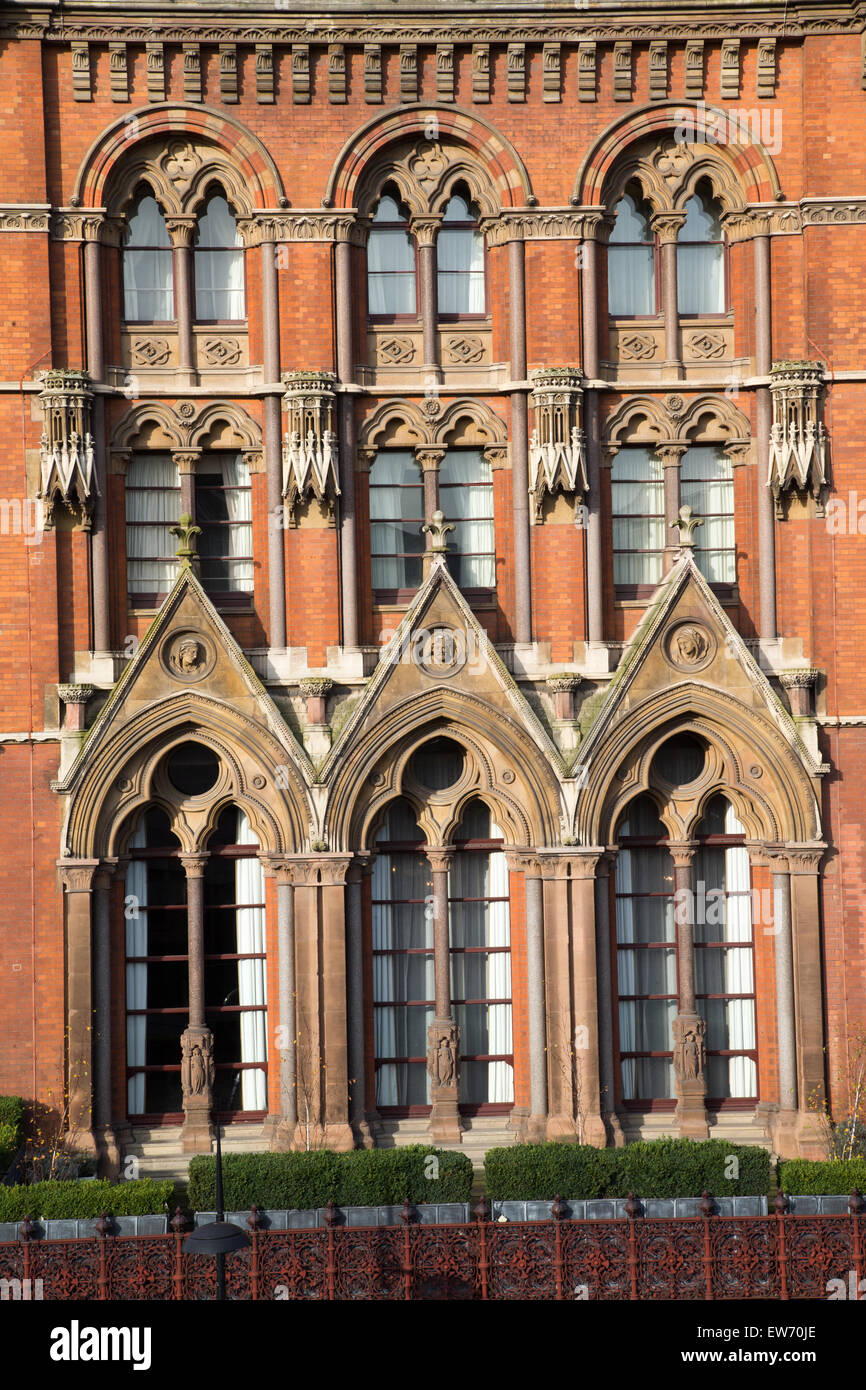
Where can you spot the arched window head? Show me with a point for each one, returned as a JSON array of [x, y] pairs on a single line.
[[701, 258], [148, 284], [631, 279], [460, 261], [390, 261], [219, 264]]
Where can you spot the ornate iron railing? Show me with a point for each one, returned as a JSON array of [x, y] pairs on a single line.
[[685, 1258]]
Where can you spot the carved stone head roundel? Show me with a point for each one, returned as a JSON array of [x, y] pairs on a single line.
[[689, 646], [188, 656]]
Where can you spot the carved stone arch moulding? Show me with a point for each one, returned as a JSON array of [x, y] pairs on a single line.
[[681, 807], [187, 425], [669, 147], [508, 771], [433, 139], [752, 764], [403, 424], [127, 772], [679, 422], [186, 148]]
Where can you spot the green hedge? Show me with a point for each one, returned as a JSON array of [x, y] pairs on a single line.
[[657, 1168], [299, 1181], [66, 1200], [813, 1178]]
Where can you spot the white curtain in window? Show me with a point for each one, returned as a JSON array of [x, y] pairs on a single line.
[[630, 263], [390, 271], [500, 1075], [707, 486], [136, 974], [239, 505], [400, 921], [219, 264], [738, 963], [470, 507], [460, 265], [148, 285], [701, 267], [249, 889], [152, 507]]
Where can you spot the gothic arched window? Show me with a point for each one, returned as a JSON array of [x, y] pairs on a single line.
[[148, 281], [631, 257], [219, 264], [390, 262], [461, 290], [701, 258]]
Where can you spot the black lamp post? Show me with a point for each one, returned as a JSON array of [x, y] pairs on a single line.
[[220, 1237]]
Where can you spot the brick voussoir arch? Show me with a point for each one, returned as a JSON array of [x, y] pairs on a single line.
[[171, 120], [494, 152], [745, 158]]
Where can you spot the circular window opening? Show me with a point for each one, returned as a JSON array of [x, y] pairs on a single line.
[[680, 760], [438, 765], [193, 769]]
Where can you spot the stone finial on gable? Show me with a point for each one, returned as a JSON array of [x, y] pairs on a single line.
[[185, 531], [685, 525]]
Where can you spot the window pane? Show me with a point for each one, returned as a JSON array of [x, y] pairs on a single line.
[[396, 518], [707, 486], [152, 506], [223, 501], [217, 226], [466, 498], [460, 265], [637, 506], [632, 223], [390, 270], [631, 280], [148, 293], [700, 279]]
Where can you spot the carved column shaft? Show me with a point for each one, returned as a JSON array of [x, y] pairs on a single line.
[[682, 857], [427, 265], [670, 305], [535, 991], [594, 558], [288, 1018], [766, 512], [441, 957], [689, 1028], [443, 1035], [607, 1084], [182, 264], [519, 444], [785, 1012], [356, 1006], [96, 367], [194, 867], [273, 448], [78, 880], [102, 996], [346, 374]]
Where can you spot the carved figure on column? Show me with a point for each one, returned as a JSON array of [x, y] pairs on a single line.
[[442, 1056], [690, 1053]]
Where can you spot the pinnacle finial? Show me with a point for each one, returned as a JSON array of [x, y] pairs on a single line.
[[185, 531], [685, 525], [437, 529]]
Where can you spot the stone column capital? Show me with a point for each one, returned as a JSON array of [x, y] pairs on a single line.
[[666, 226], [77, 875], [186, 460], [428, 457], [424, 228], [181, 230], [804, 858], [321, 870], [194, 865], [682, 852], [440, 859]]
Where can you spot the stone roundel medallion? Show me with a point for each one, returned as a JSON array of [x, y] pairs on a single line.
[[188, 656], [441, 651], [689, 646]]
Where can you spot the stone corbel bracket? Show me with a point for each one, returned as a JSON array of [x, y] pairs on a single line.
[[557, 448]]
